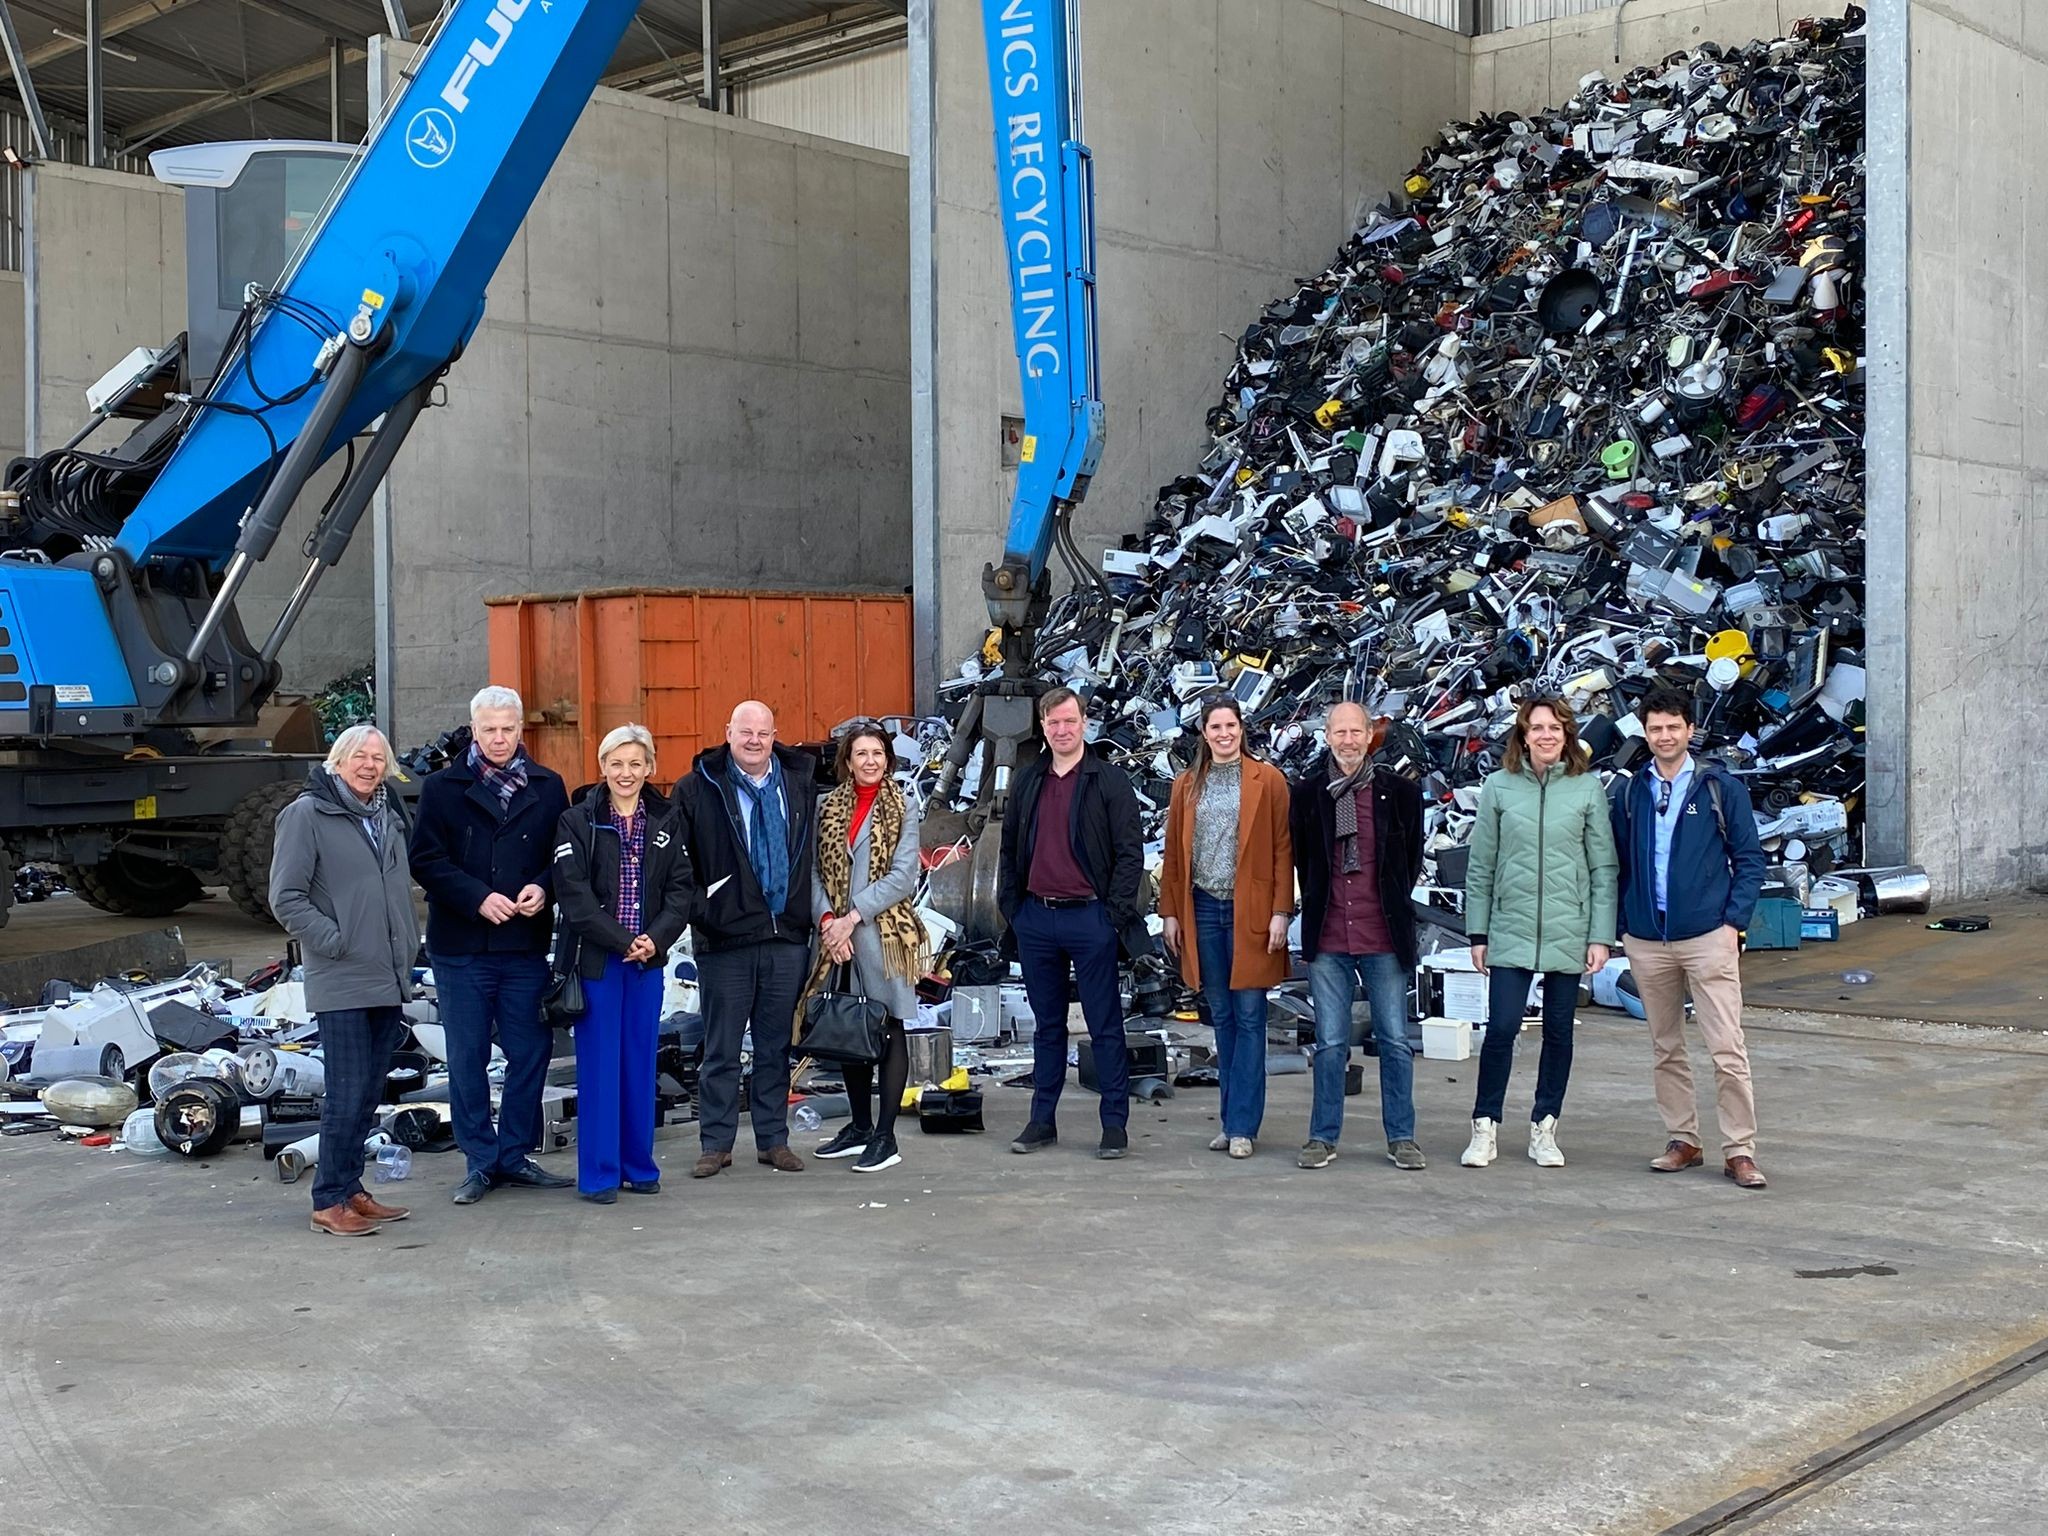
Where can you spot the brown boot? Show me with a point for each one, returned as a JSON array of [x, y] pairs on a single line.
[[363, 1205], [710, 1163], [1678, 1155], [1745, 1173], [343, 1222], [781, 1159]]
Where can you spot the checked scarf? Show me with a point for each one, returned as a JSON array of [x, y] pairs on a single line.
[[1344, 788], [906, 947], [503, 782]]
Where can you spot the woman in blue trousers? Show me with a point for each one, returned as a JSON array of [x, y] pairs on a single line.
[[622, 879]]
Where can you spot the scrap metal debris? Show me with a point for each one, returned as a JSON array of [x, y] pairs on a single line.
[[1578, 410]]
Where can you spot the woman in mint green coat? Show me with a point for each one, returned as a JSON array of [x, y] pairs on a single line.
[[1539, 900]]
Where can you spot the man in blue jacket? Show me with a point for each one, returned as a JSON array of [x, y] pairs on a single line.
[[483, 847], [1691, 871]]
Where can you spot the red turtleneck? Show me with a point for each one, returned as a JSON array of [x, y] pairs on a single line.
[[863, 802]]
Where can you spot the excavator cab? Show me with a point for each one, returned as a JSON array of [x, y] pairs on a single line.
[[249, 208]]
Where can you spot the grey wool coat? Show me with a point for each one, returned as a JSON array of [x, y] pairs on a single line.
[[347, 901], [893, 992]]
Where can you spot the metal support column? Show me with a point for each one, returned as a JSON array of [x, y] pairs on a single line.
[[711, 86], [337, 60], [925, 597], [17, 62], [1888, 120], [95, 88]]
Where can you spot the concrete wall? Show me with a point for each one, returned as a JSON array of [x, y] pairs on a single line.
[[105, 264], [13, 370], [862, 99], [693, 371], [1233, 140], [1977, 552]]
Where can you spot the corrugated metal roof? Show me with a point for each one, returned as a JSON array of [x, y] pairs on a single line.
[[203, 57], [861, 100]]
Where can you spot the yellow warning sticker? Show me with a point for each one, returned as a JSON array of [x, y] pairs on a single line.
[[1029, 450], [145, 808]]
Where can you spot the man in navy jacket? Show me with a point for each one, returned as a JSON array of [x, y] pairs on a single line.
[[749, 813], [1691, 870], [482, 849]]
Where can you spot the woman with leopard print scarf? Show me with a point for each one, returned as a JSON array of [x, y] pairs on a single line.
[[863, 899]]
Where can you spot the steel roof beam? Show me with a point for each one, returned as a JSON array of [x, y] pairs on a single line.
[[263, 86]]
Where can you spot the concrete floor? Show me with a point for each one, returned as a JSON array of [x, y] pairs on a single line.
[[1997, 977], [977, 1340], [214, 930], [1981, 1472]]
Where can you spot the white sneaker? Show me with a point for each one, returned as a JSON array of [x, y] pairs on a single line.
[[1484, 1145], [1543, 1143], [1219, 1143], [1240, 1146]]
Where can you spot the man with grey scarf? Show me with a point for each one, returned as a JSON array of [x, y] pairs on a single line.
[[338, 884], [1357, 855]]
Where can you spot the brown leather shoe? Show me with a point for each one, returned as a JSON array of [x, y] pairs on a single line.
[[1678, 1155], [781, 1159], [363, 1205], [1745, 1173], [710, 1163], [342, 1222]]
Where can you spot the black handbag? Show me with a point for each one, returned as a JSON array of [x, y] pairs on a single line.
[[563, 1002], [842, 1026]]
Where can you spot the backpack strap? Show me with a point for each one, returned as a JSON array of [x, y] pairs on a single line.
[[1720, 810]]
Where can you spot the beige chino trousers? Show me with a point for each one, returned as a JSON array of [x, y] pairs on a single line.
[[1709, 964]]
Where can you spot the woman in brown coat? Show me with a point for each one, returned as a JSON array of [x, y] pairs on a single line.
[[1229, 877]]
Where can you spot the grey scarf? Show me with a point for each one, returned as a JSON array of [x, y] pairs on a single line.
[[1344, 788], [370, 812]]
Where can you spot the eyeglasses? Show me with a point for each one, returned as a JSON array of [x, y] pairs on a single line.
[[1664, 797]]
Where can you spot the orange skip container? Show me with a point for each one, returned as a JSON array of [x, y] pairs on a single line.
[[678, 661]]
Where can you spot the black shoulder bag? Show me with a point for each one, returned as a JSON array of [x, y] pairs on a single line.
[[842, 1026], [562, 1004]]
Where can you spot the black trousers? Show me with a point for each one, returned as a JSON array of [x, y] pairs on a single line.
[[755, 985], [1507, 993]]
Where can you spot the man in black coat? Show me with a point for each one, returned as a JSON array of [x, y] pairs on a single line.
[[483, 849], [750, 812], [1073, 860], [1358, 852]]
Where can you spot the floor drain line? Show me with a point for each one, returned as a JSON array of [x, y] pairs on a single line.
[[1745, 1510]]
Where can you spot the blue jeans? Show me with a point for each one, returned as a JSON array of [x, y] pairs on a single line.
[[1385, 979], [1239, 1017], [615, 1077], [1053, 943], [1507, 995], [499, 994]]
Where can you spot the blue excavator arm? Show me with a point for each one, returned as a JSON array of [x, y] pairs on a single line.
[[377, 303], [1045, 185]]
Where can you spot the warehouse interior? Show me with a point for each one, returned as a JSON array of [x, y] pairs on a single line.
[[1400, 301], [793, 366]]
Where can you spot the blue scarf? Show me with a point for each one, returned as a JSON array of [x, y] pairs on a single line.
[[767, 835]]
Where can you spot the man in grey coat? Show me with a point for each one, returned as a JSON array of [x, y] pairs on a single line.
[[338, 884]]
